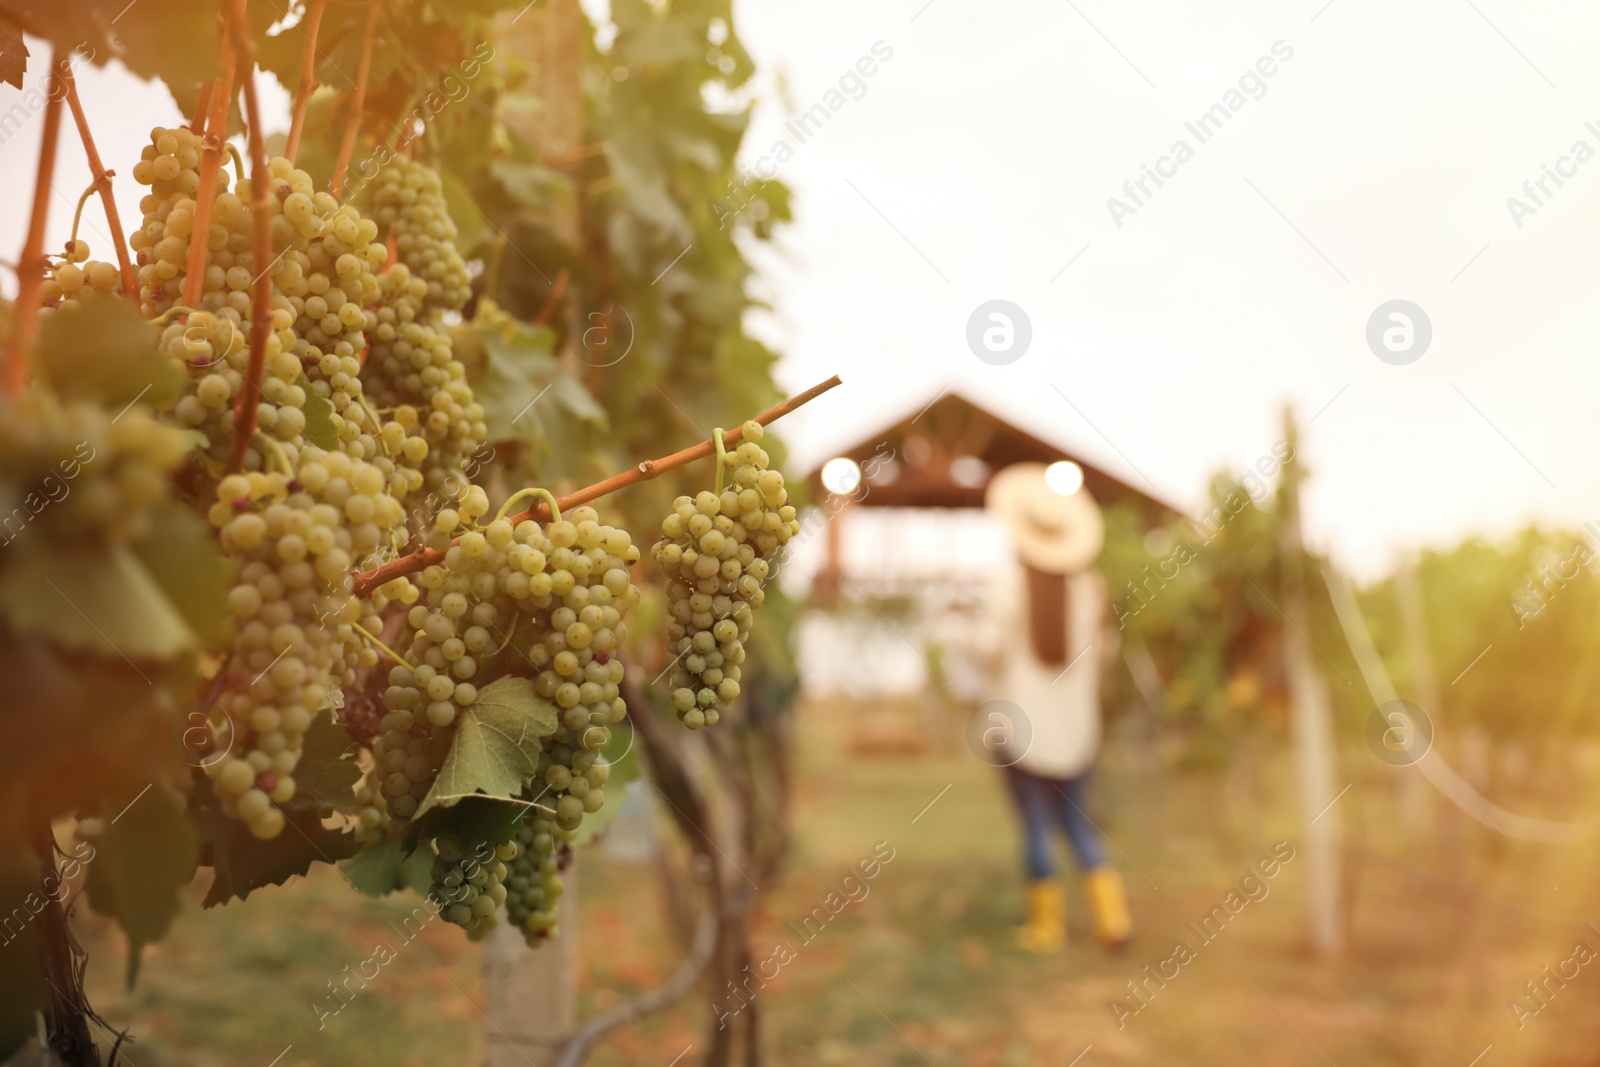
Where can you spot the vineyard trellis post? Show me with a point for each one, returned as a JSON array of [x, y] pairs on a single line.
[[1312, 728]]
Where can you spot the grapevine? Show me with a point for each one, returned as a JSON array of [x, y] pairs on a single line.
[[276, 458]]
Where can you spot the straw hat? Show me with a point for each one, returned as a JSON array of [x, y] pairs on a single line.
[[1053, 533]]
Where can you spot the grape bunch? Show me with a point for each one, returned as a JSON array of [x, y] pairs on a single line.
[[73, 474], [74, 275], [292, 541], [509, 600], [469, 885], [170, 165], [715, 550], [412, 368], [534, 886], [408, 204], [213, 350]]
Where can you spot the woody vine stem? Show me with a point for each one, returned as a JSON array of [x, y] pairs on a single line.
[[365, 582]]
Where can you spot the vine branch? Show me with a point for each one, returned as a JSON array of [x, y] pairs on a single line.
[[216, 132], [62, 963], [365, 582], [102, 185], [244, 415], [358, 104], [30, 270], [705, 940], [308, 78], [202, 108]]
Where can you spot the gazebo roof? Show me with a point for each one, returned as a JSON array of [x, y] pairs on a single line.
[[943, 456]]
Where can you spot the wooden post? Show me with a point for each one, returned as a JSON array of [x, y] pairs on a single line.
[[530, 997], [831, 576], [1313, 731], [1416, 802]]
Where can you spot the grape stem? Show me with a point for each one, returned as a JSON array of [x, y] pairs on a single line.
[[171, 313], [277, 451], [77, 217], [30, 270], [102, 184], [722, 455], [523, 494], [216, 131], [308, 77], [364, 582], [238, 164], [244, 415], [391, 653], [358, 105]]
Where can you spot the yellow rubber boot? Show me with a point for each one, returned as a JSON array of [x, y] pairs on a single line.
[[1108, 906], [1046, 929]]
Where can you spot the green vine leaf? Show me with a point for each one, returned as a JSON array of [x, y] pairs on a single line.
[[498, 741], [514, 360], [105, 601], [527, 396], [183, 558], [244, 864], [527, 184], [327, 773], [471, 226], [476, 818], [386, 867], [139, 867]]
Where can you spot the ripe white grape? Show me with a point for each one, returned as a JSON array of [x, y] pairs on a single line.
[[291, 540], [716, 551], [469, 882]]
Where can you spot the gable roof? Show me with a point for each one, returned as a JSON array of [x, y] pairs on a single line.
[[912, 460]]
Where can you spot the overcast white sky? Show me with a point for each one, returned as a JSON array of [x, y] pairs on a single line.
[[1377, 166], [977, 166]]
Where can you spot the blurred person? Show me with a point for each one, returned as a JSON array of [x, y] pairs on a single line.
[[1052, 606]]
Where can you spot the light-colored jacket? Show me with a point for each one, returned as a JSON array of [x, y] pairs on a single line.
[[1060, 702]]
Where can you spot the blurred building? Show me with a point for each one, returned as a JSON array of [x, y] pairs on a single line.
[[897, 557]]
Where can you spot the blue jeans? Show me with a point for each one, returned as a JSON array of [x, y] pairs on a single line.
[[1043, 801]]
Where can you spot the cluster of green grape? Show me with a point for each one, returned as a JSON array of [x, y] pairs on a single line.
[[534, 886], [323, 275], [412, 369], [293, 540], [469, 886], [213, 349], [74, 275], [170, 165], [412, 366], [80, 474], [714, 550], [408, 202], [570, 587]]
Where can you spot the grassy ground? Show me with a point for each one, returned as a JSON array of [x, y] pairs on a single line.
[[920, 969]]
